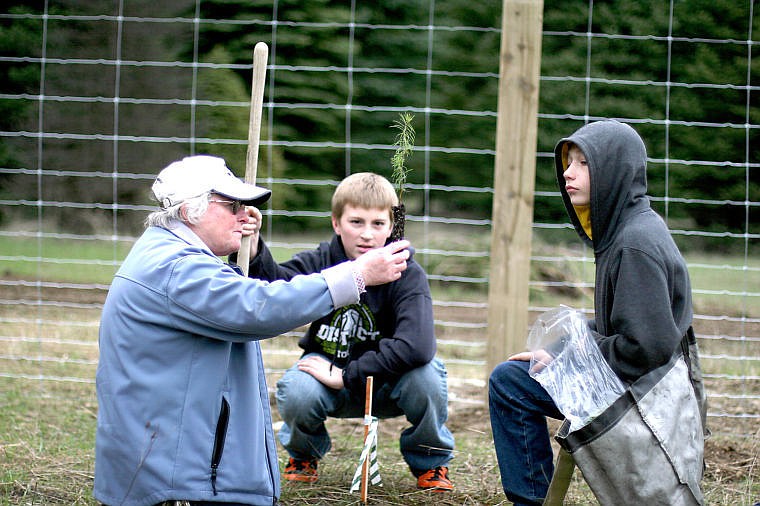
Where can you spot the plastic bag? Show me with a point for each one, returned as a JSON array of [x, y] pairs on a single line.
[[577, 378]]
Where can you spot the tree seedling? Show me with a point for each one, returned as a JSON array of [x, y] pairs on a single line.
[[404, 144]]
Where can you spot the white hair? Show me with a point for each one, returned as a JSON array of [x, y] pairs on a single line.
[[195, 207]]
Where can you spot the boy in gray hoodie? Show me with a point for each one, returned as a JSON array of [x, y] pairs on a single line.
[[642, 295]]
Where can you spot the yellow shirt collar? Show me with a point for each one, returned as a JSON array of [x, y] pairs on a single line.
[[584, 217]]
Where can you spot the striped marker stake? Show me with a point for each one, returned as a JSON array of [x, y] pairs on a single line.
[[368, 469]]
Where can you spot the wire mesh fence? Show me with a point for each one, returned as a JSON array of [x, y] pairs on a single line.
[[123, 88]]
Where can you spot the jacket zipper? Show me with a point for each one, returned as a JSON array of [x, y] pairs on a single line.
[[219, 438]]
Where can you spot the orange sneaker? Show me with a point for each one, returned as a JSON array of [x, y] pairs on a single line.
[[301, 470], [436, 480]]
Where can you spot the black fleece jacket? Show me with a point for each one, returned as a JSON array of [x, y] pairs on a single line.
[[387, 334], [642, 294]]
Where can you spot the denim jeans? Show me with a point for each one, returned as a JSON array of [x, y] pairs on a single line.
[[421, 394], [198, 503], [519, 405]]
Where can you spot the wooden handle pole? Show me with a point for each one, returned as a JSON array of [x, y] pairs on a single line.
[[260, 54], [367, 416]]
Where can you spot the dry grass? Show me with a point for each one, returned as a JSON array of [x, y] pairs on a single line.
[[47, 458], [48, 412]]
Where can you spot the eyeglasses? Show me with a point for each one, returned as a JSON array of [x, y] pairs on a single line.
[[236, 204]]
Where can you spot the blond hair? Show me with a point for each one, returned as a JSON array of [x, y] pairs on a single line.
[[364, 189]]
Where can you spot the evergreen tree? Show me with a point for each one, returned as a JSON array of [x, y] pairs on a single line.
[[17, 37], [382, 66]]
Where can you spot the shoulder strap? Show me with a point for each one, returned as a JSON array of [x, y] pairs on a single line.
[[691, 357]]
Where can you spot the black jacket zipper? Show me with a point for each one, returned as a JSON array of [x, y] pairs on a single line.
[[219, 438]]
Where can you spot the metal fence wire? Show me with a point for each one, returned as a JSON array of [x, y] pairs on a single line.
[[108, 116]]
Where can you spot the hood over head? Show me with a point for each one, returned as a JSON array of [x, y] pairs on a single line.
[[616, 158]]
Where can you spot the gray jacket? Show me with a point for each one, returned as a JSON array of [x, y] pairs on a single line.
[[183, 401]]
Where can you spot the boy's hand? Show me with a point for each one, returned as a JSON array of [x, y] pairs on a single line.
[[253, 228], [383, 265], [327, 374], [541, 357]]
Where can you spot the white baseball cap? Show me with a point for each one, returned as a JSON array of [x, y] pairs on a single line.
[[195, 175]]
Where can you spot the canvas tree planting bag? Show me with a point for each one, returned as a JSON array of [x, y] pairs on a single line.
[[647, 445]]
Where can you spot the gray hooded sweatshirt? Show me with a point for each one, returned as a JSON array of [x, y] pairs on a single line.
[[642, 297]]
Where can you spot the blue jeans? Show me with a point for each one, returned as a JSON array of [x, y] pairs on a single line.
[[519, 405], [421, 394]]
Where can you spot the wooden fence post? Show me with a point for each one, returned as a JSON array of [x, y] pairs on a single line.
[[514, 178]]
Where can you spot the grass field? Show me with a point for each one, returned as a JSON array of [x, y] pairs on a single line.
[[48, 408]]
